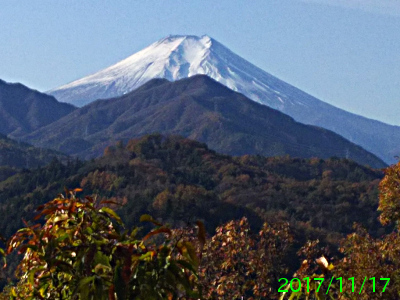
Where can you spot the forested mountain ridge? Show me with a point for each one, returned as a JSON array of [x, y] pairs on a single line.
[[198, 108], [180, 180], [17, 155], [23, 110]]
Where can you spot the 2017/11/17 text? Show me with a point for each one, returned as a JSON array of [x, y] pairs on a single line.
[[295, 284]]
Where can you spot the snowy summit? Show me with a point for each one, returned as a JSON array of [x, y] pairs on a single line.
[[175, 57]]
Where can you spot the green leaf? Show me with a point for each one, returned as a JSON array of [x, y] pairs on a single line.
[[192, 256], [83, 287], [112, 214], [42, 290], [187, 265], [88, 230], [134, 232], [148, 218], [101, 258], [63, 237], [146, 256]]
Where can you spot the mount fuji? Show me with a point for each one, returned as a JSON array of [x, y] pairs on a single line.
[[177, 57]]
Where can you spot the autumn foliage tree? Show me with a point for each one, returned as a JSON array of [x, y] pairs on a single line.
[[389, 197], [82, 251], [238, 263]]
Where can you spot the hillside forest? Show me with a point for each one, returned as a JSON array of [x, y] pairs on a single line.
[[164, 217]]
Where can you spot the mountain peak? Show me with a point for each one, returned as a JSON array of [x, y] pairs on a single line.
[[172, 37], [173, 57]]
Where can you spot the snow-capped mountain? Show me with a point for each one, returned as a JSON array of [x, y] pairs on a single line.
[[174, 58], [177, 57]]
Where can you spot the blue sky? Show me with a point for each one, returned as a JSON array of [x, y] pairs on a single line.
[[345, 52]]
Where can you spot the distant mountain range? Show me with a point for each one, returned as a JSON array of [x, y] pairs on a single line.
[[23, 110], [177, 57], [199, 108]]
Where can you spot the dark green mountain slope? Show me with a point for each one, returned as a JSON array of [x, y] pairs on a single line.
[[180, 180], [16, 155], [198, 108], [23, 110]]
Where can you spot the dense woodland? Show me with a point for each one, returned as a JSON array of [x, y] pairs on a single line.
[[295, 211], [18, 155], [178, 181]]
